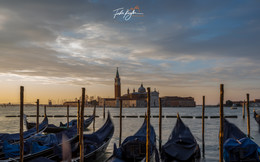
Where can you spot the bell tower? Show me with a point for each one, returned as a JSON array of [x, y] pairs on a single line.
[[117, 85]]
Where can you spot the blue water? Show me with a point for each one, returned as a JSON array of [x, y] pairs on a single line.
[[131, 125]]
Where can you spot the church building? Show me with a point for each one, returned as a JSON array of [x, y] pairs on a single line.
[[134, 99]]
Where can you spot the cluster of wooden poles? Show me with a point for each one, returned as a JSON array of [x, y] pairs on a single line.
[[221, 132], [80, 118], [80, 122], [221, 113]]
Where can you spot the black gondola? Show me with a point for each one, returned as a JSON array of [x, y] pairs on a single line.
[[257, 117], [237, 146], [181, 145], [232, 131], [13, 138], [95, 144], [40, 146], [133, 147], [55, 129]]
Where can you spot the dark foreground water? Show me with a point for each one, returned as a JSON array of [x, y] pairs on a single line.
[[131, 125]]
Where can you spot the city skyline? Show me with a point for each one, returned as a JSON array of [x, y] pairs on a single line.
[[180, 48]]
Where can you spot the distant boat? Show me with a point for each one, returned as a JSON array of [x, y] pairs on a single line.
[[257, 116], [234, 106]]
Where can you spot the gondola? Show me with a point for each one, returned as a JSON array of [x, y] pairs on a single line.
[[257, 117], [13, 138], [55, 129], [133, 147], [40, 146], [95, 144], [181, 145], [237, 146], [51, 128], [87, 122]]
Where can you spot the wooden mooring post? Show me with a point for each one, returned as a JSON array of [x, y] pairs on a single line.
[[45, 112], [68, 114], [120, 122], [221, 118], [203, 126], [94, 122], [37, 116], [248, 115], [78, 117], [148, 127], [104, 109], [160, 125], [21, 122], [81, 142], [244, 109]]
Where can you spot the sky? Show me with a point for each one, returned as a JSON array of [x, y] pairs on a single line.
[[182, 48]]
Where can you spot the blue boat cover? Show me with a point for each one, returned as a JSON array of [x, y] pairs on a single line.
[[16, 137], [71, 132], [237, 147], [41, 159], [38, 143], [241, 150], [181, 144], [35, 144]]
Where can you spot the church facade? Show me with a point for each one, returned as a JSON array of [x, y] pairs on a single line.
[[134, 99]]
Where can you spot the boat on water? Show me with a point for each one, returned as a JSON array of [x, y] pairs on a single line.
[[39, 145], [133, 147], [49, 147], [55, 129], [95, 144], [257, 116], [237, 146], [181, 145], [234, 106], [14, 138]]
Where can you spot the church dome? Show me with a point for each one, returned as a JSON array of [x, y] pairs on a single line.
[[141, 89]]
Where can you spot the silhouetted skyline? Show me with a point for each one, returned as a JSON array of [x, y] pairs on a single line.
[[183, 48]]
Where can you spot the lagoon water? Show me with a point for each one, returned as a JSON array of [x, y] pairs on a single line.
[[131, 125]]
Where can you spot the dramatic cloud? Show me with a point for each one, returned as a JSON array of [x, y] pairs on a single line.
[[175, 44]]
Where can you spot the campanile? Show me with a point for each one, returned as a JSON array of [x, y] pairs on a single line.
[[117, 86]]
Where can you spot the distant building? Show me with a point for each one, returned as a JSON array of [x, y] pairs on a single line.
[[135, 99], [49, 103], [229, 103], [255, 102], [71, 103], [139, 99], [174, 101]]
